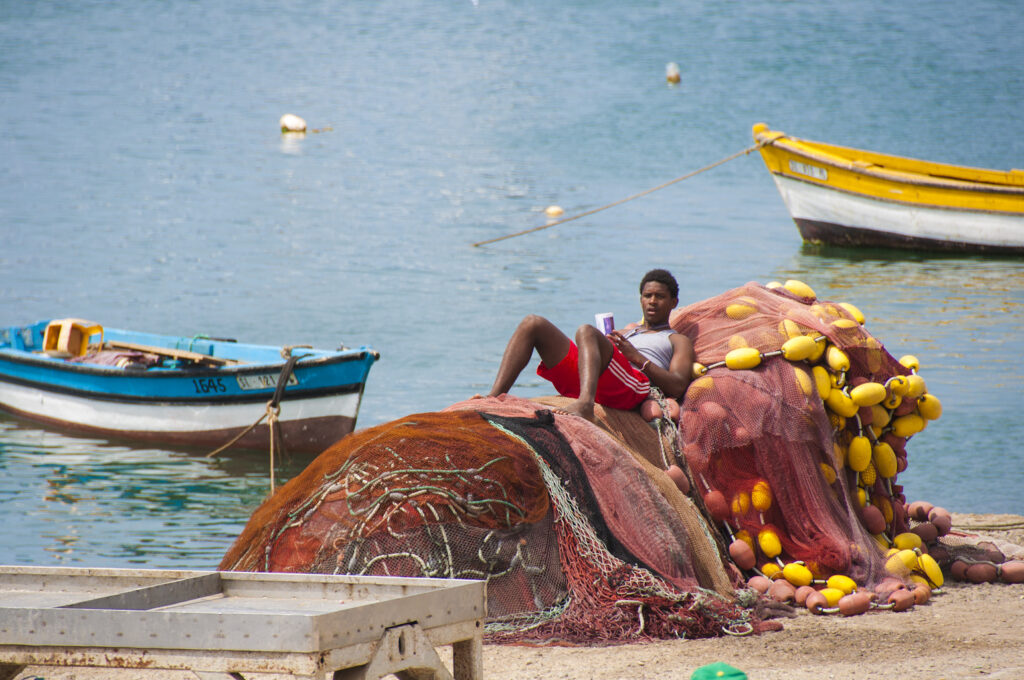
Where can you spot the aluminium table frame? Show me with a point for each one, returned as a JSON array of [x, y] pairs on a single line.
[[221, 625]]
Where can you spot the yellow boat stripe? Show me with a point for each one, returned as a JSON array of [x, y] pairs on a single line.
[[793, 158]]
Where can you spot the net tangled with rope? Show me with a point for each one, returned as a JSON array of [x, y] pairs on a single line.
[[542, 505], [783, 464]]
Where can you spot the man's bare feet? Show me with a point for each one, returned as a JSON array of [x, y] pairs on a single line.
[[582, 409]]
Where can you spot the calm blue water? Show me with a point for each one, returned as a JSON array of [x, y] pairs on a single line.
[[144, 184]]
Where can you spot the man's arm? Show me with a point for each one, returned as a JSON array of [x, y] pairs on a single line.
[[674, 381]]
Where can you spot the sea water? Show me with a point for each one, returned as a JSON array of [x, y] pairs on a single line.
[[144, 184]]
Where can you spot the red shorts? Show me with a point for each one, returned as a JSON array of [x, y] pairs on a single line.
[[621, 385]]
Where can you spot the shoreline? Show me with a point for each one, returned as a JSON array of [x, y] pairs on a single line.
[[967, 631]]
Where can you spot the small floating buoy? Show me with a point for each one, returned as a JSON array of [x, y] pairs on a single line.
[[292, 123], [553, 211], [672, 72]]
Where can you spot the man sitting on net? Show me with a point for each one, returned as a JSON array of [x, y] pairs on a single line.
[[615, 370]]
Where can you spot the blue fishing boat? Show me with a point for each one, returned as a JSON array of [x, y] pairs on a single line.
[[191, 391]]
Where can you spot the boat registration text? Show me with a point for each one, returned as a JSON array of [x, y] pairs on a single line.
[[262, 381], [809, 170]]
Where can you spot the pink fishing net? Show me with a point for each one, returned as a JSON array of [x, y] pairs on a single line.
[[791, 437], [765, 437]]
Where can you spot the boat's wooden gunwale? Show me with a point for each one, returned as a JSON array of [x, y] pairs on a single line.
[[888, 168], [915, 166]]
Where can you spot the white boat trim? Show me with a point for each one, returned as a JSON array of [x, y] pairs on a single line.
[[826, 205]]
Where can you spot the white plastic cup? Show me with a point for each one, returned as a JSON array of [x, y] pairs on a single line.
[[605, 322]]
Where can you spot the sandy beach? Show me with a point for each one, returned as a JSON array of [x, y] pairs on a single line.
[[967, 631]]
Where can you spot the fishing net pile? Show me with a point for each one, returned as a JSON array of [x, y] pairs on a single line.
[[783, 465], [543, 505], [797, 429], [794, 432]]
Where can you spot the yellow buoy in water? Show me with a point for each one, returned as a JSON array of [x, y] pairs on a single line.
[[554, 211], [672, 72]]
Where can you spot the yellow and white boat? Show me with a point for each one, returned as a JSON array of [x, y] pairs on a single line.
[[848, 197]]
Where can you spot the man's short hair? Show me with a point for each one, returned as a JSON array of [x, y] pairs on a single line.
[[661, 276]]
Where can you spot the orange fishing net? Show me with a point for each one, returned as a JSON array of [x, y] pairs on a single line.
[[494, 489]]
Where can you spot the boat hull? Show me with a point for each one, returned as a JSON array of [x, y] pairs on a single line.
[[304, 425], [200, 406], [849, 197], [824, 215]]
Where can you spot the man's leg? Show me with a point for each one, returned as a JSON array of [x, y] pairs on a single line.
[[595, 352], [533, 332]]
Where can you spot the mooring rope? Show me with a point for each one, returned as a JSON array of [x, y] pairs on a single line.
[[272, 412], [688, 175]]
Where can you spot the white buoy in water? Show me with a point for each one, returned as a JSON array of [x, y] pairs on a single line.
[[292, 123], [672, 72], [553, 211]]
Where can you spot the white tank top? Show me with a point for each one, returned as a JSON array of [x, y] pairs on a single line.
[[654, 346]]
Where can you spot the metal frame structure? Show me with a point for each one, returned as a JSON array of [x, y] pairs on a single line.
[[221, 625]]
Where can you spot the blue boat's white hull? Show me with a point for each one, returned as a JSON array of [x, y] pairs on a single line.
[[194, 405]]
